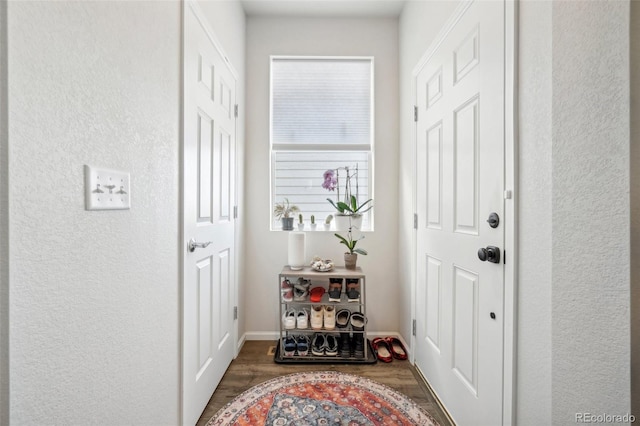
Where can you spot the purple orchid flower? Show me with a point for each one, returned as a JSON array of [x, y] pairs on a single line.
[[330, 181]]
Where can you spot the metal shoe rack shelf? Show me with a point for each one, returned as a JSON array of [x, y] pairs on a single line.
[[322, 279]]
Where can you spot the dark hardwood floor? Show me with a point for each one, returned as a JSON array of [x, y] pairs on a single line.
[[255, 365]]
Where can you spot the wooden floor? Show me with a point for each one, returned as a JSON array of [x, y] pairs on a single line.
[[255, 365]]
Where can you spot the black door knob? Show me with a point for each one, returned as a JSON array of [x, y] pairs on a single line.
[[491, 254], [494, 220]]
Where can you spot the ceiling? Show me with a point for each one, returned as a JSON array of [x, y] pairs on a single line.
[[324, 8]]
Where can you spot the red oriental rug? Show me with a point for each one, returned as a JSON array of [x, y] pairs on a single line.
[[321, 398]]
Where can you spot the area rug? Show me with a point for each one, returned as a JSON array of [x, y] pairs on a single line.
[[321, 398]]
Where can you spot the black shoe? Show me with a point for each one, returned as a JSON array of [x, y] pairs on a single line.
[[319, 344], [331, 348], [345, 345], [358, 321], [335, 289], [342, 318], [353, 289], [358, 347]]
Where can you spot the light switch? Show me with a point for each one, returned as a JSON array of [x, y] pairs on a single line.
[[106, 189]]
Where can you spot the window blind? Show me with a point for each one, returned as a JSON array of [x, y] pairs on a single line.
[[321, 101]]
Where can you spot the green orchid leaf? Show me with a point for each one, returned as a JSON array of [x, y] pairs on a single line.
[[360, 251]]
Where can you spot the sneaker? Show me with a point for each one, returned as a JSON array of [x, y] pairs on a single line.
[[289, 346], [329, 317], [302, 344], [319, 344], [331, 345], [286, 290], [317, 313], [301, 290], [302, 319], [345, 345], [335, 289], [353, 289], [342, 318], [358, 321], [289, 319]]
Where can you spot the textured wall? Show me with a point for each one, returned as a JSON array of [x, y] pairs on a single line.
[[267, 250], [533, 363], [590, 228], [420, 23], [94, 330], [635, 206], [4, 225]]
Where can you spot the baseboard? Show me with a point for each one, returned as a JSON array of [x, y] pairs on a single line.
[[261, 335], [241, 343]]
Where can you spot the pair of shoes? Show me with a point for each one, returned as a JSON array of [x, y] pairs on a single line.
[[324, 345], [286, 290], [299, 345], [301, 290], [382, 348], [353, 289], [295, 319], [323, 315], [316, 294], [335, 289]]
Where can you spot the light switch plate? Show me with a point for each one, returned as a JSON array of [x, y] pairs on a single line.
[[106, 189]]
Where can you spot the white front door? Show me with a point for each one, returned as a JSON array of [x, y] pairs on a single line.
[[209, 194], [460, 182]]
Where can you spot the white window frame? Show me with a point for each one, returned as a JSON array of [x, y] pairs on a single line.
[[370, 148]]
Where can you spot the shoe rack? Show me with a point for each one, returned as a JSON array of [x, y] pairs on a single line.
[[353, 346]]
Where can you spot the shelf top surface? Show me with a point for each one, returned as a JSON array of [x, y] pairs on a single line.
[[336, 272]]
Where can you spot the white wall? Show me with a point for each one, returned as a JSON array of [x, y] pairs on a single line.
[[4, 225], [573, 303], [635, 206], [590, 218], [94, 332], [533, 344], [267, 250]]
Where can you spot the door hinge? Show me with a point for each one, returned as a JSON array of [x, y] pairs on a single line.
[[415, 113], [235, 111], [413, 328], [235, 212], [235, 312], [504, 257], [415, 221]]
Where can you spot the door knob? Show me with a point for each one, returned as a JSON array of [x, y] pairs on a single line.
[[193, 245], [491, 253], [494, 220]]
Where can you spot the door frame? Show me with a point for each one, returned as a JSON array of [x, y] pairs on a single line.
[[510, 196], [193, 5]]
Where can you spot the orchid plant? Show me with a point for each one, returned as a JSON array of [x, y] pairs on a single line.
[[350, 242], [350, 204]]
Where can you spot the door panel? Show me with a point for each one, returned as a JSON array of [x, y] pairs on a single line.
[[460, 181], [209, 194]]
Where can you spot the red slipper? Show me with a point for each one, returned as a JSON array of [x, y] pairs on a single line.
[[316, 294], [397, 348], [381, 346]]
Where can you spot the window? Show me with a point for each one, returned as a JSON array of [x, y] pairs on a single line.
[[321, 119]]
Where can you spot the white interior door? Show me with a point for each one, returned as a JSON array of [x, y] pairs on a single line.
[[209, 195], [460, 182]]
